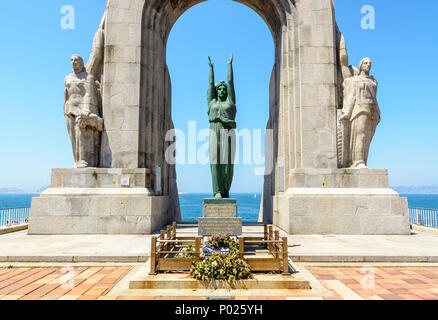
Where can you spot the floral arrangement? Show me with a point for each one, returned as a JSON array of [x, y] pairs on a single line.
[[187, 252], [221, 265], [221, 241]]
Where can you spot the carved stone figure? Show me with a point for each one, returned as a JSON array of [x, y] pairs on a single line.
[[222, 113], [82, 104], [360, 111]]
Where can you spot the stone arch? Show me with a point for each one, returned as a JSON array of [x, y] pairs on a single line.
[[302, 85]]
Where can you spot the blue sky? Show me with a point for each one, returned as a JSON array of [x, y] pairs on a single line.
[[35, 59]]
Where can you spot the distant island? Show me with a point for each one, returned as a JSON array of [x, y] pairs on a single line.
[[416, 189], [15, 190], [11, 190]]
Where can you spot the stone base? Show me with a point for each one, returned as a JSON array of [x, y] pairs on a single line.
[[184, 281], [98, 204], [341, 202]]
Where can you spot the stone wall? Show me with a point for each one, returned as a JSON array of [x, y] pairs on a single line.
[[302, 105]]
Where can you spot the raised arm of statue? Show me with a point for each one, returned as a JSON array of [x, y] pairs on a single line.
[[347, 70], [94, 64], [232, 93], [211, 94]]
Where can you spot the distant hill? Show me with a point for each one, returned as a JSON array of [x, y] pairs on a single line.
[[416, 189], [11, 190]]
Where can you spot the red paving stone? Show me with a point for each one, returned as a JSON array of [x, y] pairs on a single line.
[[390, 283], [37, 274], [16, 275], [52, 282], [93, 283], [9, 273], [74, 282]]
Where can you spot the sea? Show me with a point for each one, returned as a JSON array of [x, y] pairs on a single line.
[[248, 204]]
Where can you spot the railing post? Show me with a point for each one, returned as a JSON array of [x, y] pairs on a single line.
[[265, 233], [241, 247], [197, 248], [174, 230], [285, 258], [434, 219], [168, 237], [161, 246], [270, 238], [277, 244], [153, 256]]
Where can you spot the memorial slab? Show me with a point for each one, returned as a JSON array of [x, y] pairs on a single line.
[[215, 226], [219, 208]]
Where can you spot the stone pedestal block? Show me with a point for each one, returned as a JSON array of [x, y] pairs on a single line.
[[98, 201], [215, 226], [219, 208], [219, 217], [343, 202]]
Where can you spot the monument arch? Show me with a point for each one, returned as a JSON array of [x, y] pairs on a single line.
[[314, 56], [308, 192]]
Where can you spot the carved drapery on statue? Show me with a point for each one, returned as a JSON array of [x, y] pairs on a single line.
[[83, 104], [222, 113], [359, 112]]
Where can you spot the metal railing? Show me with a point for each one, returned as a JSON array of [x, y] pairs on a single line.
[[13, 216], [424, 217]]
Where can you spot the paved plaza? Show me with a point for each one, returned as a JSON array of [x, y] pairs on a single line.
[[330, 283], [100, 267]]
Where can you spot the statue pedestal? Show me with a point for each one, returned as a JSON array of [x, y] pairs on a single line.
[[98, 201], [219, 217], [341, 201]]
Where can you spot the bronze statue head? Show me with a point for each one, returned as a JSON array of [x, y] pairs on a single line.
[[222, 90]]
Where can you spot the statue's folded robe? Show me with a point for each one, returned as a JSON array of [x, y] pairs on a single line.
[[92, 120]]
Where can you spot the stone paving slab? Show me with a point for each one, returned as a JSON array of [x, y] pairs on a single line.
[[328, 283], [377, 283]]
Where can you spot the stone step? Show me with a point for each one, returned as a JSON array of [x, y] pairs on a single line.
[[185, 281]]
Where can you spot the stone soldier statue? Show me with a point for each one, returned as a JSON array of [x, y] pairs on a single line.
[[361, 112], [82, 104], [222, 113]]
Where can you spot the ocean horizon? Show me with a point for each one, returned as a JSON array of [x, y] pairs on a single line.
[[248, 204]]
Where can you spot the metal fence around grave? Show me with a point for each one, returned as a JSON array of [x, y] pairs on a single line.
[[14, 216], [424, 217]]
